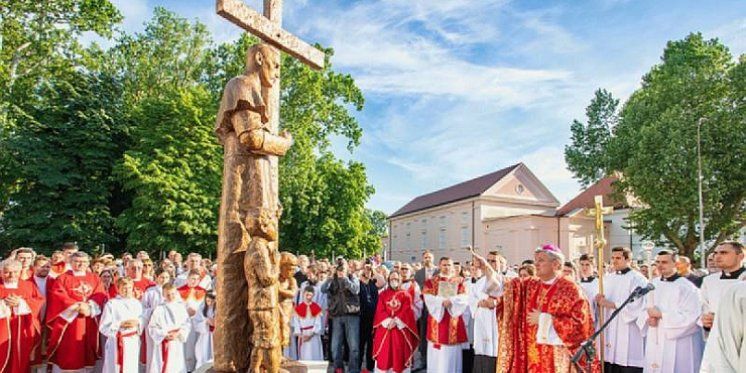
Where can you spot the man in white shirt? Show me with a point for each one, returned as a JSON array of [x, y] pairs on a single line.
[[674, 339], [624, 351], [729, 257]]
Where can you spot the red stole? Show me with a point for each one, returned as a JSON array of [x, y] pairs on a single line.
[[450, 330], [394, 348], [195, 294], [302, 310], [20, 335], [571, 319], [120, 347], [73, 345]]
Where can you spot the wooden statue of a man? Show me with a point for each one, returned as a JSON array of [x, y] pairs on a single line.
[[249, 208]]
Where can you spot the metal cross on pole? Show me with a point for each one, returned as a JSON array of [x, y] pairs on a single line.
[[598, 213]]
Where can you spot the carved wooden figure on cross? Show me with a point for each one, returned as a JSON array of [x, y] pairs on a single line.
[[247, 332]]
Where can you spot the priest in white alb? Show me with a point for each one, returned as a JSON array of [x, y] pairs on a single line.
[[446, 301], [482, 302], [674, 339], [122, 323], [624, 350], [168, 329], [729, 256], [729, 344]]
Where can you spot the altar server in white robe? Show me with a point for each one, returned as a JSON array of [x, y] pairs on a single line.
[[729, 257], [729, 343], [152, 298], [482, 303], [168, 329], [204, 323], [674, 339], [307, 324], [446, 301], [589, 283], [121, 323], [624, 350]]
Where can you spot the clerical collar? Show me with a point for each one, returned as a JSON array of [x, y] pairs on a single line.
[[588, 279], [672, 278], [732, 275], [623, 271], [79, 274]]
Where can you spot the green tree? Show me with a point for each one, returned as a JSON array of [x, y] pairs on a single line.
[[173, 172], [586, 154], [39, 43], [65, 147], [655, 144]]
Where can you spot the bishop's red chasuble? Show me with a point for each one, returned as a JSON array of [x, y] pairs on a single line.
[[20, 331], [73, 338], [450, 330], [394, 348], [571, 319]]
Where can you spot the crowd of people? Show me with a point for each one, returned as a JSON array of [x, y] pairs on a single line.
[[74, 313]]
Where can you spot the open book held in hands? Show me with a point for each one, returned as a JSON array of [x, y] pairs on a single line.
[[447, 289]]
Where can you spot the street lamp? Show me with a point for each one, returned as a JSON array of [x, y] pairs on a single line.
[[702, 250]]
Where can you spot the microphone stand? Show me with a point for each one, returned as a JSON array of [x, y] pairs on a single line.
[[587, 348]]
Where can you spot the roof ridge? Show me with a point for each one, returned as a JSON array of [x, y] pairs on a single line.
[[410, 207]]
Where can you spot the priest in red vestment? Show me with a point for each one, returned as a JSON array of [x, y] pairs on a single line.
[[20, 332], [75, 299], [134, 271], [543, 319], [395, 338], [194, 297], [446, 302]]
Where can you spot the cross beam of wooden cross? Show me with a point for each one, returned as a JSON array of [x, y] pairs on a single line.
[[250, 20]]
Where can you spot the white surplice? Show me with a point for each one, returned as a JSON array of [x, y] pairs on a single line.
[[624, 340], [676, 344], [152, 298], [713, 287], [313, 326], [165, 318], [590, 289], [485, 319], [445, 358], [115, 312], [729, 343], [203, 348]]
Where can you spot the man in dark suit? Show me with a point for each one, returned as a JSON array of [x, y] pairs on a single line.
[[428, 270]]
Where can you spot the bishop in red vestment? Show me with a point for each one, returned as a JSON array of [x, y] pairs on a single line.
[[395, 338], [446, 301], [75, 299], [20, 331], [542, 320]]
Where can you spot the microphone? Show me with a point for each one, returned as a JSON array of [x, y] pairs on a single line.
[[640, 291]]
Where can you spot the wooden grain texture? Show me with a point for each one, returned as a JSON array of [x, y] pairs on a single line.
[[257, 24]]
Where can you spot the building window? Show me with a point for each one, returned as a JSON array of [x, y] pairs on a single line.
[[424, 223], [464, 236], [465, 217], [442, 239], [442, 221], [423, 240]]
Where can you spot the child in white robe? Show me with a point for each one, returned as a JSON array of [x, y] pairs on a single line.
[[308, 327], [204, 322], [152, 298], [168, 330], [121, 323]]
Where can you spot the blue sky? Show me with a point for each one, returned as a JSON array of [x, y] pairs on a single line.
[[457, 89]]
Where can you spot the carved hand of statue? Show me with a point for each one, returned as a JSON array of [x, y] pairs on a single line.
[[287, 136]]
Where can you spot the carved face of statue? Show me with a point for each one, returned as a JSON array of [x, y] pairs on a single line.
[[268, 67]]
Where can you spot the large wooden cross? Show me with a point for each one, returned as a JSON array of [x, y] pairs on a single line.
[[598, 213], [268, 27]]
